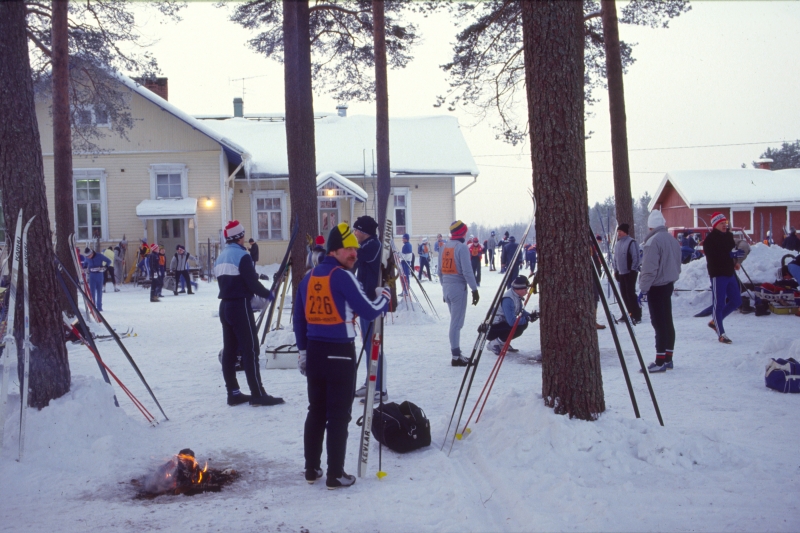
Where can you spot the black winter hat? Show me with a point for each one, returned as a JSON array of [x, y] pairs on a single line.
[[624, 228], [88, 251], [366, 224], [521, 282], [341, 237]]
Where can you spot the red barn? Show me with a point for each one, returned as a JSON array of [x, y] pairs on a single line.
[[757, 200]]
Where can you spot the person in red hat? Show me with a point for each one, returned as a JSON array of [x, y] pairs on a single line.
[[238, 282], [455, 275], [475, 252], [719, 248], [153, 272]]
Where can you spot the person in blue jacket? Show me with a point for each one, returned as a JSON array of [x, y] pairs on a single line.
[[238, 282], [328, 299], [511, 306], [96, 264], [530, 257]]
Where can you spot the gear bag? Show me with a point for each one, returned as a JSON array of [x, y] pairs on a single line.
[[401, 428], [783, 375]]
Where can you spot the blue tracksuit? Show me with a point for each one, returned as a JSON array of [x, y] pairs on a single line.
[[96, 265], [238, 282]]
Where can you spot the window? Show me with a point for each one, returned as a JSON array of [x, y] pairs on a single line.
[[269, 215], [90, 204], [328, 215], [169, 181], [168, 185], [402, 212], [90, 115]]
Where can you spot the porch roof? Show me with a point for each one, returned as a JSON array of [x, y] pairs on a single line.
[[343, 183], [167, 208]]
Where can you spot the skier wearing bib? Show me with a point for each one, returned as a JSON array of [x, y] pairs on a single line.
[[328, 299], [238, 282], [455, 274], [96, 264]]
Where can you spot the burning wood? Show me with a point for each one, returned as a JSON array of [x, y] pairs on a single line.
[[182, 474]]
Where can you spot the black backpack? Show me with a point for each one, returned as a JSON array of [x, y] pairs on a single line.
[[401, 428]]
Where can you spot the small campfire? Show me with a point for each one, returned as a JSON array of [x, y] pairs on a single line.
[[182, 474]]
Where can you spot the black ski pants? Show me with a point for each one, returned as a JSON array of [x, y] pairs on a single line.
[[185, 275], [330, 372], [239, 338], [502, 329], [490, 251], [659, 303], [476, 267], [627, 289], [425, 264]]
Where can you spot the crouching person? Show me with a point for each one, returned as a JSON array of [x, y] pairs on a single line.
[[328, 299], [511, 306]]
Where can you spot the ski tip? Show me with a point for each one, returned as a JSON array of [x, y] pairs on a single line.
[[459, 436], [468, 431], [381, 474]]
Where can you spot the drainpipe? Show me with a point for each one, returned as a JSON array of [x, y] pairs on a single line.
[[474, 180], [226, 198]]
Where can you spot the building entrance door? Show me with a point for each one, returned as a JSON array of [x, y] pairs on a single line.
[[171, 233]]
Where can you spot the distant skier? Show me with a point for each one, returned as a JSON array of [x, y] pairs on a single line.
[[96, 264], [327, 299], [508, 255], [510, 308], [491, 244], [407, 254], [424, 252], [475, 251], [455, 274], [719, 246]]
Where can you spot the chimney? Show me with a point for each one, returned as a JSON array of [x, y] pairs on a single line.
[[238, 107], [341, 110], [764, 164], [158, 86]]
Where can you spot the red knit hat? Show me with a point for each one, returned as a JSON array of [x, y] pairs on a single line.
[[234, 231], [320, 240], [716, 218], [458, 229]]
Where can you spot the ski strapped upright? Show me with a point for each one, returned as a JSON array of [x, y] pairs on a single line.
[[376, 351], [9, 340], [480, 341], [617, 295], [24, 387], [276, 280]]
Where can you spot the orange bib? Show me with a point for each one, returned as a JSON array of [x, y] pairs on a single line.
[[449, 261], [320, 308]]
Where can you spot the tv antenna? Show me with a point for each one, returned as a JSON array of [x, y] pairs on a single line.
[[247, 78]]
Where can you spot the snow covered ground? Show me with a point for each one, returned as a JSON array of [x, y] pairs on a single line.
[[726, 459]]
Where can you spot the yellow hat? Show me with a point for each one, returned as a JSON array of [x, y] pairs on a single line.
[[341, 237]]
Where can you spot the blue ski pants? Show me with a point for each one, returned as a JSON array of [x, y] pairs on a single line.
[[96, 288], [330, 373], [723, 287]]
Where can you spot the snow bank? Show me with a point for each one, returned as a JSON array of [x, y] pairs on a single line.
[[764, 263]]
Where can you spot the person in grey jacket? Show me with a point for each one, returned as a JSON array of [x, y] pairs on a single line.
[[491, 244], [661, 268], [180, 266], [455, 274], [626, 270]]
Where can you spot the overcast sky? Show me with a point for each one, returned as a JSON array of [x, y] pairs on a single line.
[[725, 73]]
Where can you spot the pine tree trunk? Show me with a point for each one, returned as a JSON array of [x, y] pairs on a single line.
[[616, 106], [22, 181], [62, 145], [382, 111], [300, 142], [553, 43]]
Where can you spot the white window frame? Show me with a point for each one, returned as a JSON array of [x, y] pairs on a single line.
[[254, 197], [91, 110], [91, 174], [169, 168], [747, 209], [401, 191]]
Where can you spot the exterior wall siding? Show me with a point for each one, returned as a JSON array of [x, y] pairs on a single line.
[[778, 222], [674, 209]]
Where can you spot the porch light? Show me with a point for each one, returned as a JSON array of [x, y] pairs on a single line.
[[209, 202]]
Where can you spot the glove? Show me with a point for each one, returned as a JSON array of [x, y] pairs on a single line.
[[385, 293], [737, 254], [301, 362], [642, 298], [475, 297], [483, 328], [533, 317]]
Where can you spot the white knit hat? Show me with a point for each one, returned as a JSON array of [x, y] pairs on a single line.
[[656, 219]]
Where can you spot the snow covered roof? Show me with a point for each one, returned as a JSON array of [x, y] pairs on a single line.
[[746, 186], [167, 208], [343, 183], [236, 154], [418, 145]]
